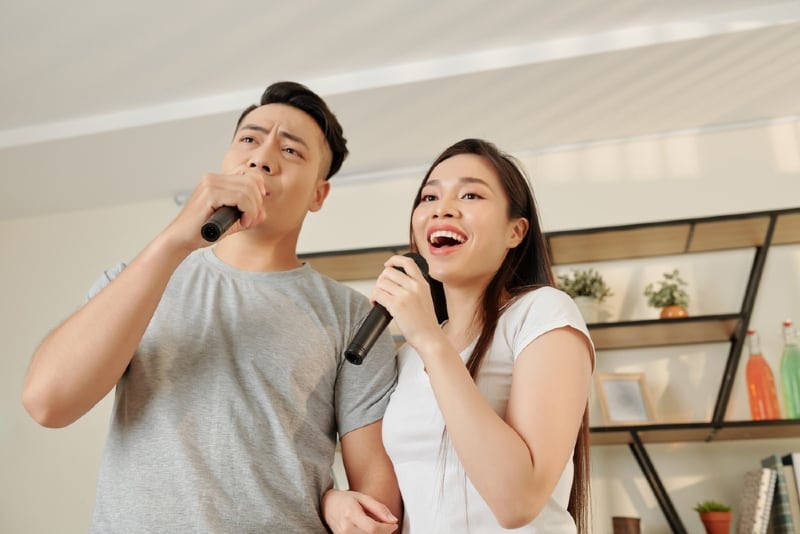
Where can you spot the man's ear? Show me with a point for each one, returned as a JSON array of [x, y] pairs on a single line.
[[320, 194]]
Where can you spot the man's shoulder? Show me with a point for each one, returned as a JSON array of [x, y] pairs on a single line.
[[335, 286]]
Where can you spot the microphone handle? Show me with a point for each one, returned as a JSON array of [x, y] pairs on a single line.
[[219, 222], [371, 329], [376, 321]]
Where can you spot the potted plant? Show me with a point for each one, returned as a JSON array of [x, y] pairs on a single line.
[[588, 289], [669, 296], [716, 517]]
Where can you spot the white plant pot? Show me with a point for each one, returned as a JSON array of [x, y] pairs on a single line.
[[589, 308]]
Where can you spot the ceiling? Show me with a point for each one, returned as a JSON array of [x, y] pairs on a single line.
[[105, 103]]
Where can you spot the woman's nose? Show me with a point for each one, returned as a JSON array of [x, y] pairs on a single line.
[[445, 208]]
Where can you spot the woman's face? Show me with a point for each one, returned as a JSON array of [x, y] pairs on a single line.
[[461, 224]]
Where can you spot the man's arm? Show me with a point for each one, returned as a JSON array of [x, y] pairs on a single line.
[[80, 361]]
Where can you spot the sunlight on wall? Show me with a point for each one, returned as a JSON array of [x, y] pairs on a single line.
[[785, 137], [680, 156]]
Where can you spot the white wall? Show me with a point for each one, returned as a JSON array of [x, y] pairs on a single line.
[[48, 476]]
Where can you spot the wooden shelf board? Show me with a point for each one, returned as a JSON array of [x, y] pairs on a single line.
[[651, 433], [661, 332], [787, 229], [586, 246], [607, 436], [352, 265], [736, 430], [729, 234], [696, 432]]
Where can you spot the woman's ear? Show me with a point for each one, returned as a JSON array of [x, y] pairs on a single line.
[[517, 231]]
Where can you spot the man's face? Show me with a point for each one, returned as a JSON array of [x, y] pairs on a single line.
[[286, 148]]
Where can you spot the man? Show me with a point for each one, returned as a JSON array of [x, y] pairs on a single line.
[[228, 361]]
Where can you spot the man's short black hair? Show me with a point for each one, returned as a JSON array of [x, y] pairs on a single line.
[[301, 97]]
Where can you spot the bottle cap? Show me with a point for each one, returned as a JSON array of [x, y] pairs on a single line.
[[750, 331], [787, 322]]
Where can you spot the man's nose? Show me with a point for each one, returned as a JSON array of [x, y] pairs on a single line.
[[264, 167], [264, 158]]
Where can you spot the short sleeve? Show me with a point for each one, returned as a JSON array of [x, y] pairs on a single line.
[[104, 280], [540, 311], [362, 391]]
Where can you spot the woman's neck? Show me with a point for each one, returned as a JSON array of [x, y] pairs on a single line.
[[463, 315]]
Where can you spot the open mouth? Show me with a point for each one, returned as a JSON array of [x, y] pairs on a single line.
[[445, 238]]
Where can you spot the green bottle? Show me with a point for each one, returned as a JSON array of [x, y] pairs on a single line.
[[790, 371]]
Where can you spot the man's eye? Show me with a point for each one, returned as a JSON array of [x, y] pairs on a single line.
[[247, 139], [290, 150]]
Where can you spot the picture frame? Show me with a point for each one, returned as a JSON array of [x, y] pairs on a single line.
[[624, 399]]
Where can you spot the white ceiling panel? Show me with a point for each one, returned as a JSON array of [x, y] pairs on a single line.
[[106, 103]]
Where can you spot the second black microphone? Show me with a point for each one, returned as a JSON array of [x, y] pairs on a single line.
[[376, 322]]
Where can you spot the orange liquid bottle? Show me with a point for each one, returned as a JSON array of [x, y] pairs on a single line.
[[760, 383]]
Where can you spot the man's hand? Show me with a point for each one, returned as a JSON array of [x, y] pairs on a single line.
[[244, 191], [351, 512]]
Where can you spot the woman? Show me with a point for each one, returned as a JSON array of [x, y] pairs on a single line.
[[487, 429]]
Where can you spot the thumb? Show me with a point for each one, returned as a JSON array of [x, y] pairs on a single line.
[[376, 509]]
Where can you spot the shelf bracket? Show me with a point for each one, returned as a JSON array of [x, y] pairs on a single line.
[[737, 343], [650, 473]]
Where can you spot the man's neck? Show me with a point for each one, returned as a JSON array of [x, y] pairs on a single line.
[[248, 252]]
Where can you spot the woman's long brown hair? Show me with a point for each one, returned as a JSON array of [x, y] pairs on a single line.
[[526, 267]]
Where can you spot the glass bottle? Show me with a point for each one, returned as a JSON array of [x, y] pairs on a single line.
[[790, 371], [760, 383]]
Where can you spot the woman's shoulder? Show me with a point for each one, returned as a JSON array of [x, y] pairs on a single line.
[[537, 312], [546, 307], [542, 297]]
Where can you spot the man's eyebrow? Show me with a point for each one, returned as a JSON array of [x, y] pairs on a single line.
[[281, 133]]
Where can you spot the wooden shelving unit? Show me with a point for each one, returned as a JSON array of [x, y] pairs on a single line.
[[657, 333], [758, 230], [692, 432]]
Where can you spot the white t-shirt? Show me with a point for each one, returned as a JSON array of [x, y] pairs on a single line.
[[437, 495]]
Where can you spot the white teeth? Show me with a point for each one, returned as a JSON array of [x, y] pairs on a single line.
[[446, 234]]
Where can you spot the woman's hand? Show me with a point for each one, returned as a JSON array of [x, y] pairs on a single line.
[[406, 295], [351, 512]]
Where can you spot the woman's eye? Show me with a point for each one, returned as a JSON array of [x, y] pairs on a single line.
[[427, 198], [471, 196]]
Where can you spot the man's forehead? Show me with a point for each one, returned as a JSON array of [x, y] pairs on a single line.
[[287, 118], [292, 122]]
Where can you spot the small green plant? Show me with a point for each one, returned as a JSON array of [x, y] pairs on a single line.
[[711, 506], [584, 283], [669, 293]]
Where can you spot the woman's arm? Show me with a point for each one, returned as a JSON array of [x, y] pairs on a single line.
[[516, 463], [373, 503]]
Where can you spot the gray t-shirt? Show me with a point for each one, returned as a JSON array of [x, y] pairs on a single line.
[[227, 416]]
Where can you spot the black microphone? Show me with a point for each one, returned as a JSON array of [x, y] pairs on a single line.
[[219, 222], [376, 321]]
